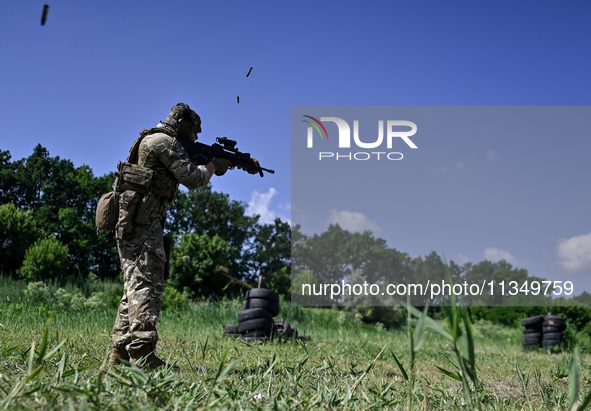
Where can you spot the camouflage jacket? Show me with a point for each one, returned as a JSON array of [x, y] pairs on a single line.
[[162, 152]]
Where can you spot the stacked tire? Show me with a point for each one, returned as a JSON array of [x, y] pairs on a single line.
[[255, 322], [532, 334], [553, 329], [231, 330]]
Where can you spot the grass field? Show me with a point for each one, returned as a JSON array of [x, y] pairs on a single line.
[[347, 365]]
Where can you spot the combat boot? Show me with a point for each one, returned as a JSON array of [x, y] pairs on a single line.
[[118, 353], [145, 357]]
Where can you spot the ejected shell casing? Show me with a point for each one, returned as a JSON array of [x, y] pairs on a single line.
[[44, 15]]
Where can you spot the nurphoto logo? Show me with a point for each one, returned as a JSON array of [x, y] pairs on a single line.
[[394, 129]]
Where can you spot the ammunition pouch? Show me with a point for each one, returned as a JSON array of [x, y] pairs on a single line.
[[107, 211], [144, 180], [128, 202], [145, 194], [140, 194], [133, 177]]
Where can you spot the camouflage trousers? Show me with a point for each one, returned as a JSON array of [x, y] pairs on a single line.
[[143, 260]]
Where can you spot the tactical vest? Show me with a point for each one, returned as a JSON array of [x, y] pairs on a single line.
[[144, 194]]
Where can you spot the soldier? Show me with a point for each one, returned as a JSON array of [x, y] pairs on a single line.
[[139, 231]]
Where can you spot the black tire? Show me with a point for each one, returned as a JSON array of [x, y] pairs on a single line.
[[261, 324], [259, 333], [263, 293], [555, 323], [551, 343], [231, 335], [547, 330], [532, 320], [530, 341], [552, 336], [231, 328], [532, 331], [553, 318], [272, 306], [252, 313], [532, 336], [253, 339]]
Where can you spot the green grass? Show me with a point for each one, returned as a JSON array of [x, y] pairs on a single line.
[[347, 365]]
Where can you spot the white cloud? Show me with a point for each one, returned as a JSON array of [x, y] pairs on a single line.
[[463, 259], [491, 156], [352, 221], [575, 254], [495, 255], [259, 204]]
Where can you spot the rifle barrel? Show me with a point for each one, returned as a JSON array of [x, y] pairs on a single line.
[[224, 271]]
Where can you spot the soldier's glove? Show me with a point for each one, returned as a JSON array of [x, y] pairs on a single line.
[[252, 170], [221, 166]]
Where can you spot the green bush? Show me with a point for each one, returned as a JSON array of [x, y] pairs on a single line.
[[47, 259], [388, 317], [69, 301], [578, 317], [193, 265], [172, 298], [17, 233], [505, 315], [113, 294], [38, 292], [96, 302]]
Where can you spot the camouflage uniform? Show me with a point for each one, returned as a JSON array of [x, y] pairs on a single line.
[[142, 251]]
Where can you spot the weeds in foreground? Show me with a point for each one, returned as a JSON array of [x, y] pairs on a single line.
[[450, 365]]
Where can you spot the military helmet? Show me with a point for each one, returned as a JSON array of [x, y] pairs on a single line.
[[184, 120]]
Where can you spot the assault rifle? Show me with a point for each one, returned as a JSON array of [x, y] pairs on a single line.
[[225, 149]]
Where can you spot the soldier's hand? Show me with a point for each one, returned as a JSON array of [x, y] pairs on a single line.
[[221, 166], [253, 170]]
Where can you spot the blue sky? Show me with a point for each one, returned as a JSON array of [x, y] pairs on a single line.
[[88, 81]]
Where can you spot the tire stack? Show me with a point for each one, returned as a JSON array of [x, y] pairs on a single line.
[[532, 334], [255, 322], [231, 330], [553, 328]]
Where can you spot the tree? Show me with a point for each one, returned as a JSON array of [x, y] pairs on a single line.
[[17, 233], [62, 200], [497, 272], [7, 178], [47, 259], [194, 262], [206, 212], [270, 255], [327, 254]]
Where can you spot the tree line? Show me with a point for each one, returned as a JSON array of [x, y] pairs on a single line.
[[47, 231], [336, 255]]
